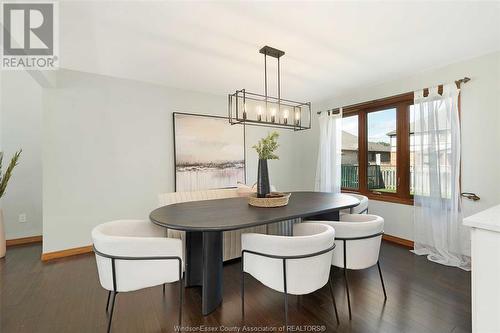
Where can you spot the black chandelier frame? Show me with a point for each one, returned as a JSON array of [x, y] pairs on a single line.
[[301, 113]]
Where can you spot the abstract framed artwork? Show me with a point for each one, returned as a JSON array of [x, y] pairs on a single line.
[[209, 152]]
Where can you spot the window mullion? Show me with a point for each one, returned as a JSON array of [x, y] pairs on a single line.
[[403, 151], [363, 153]]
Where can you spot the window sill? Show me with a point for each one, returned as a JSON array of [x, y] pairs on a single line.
[[382, 197]]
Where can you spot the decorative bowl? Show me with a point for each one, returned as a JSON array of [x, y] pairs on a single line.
[[273, 199]]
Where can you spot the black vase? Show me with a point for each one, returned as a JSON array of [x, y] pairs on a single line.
[[263, 186]]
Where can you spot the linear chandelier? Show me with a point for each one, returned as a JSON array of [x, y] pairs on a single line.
[[249, 108]]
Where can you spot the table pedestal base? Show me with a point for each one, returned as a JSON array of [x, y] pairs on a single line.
[[204, 266]]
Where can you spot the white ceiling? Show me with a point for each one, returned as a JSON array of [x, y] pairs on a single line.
[[330, 46]]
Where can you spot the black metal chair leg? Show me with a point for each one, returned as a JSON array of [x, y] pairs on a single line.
[[286, 311], [381, 280], [242, 289], [164, 288], [180, 301], [333, 300], [286, 295], [345, 279], [180, 291], [107, 302], [347, 292], [112, 309]]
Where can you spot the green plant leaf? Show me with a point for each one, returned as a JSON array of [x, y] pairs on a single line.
[[267, 146], [8, 173]]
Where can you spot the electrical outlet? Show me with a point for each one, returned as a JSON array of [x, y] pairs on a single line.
[[22, 218]]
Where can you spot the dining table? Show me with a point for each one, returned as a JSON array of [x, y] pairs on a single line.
[[204, 222]]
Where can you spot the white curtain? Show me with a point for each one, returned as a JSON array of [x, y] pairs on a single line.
[[439, 232], [329, 152]]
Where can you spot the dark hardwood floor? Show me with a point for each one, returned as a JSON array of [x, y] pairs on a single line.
[[65, 296]]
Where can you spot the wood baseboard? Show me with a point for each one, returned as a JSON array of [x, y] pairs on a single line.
[[24, 240], [87, 249], [399, 241], [66, 253]]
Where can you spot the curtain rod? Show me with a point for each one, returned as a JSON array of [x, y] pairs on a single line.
[[337, 110]]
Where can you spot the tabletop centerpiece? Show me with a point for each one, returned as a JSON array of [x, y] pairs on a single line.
[[266, 149]]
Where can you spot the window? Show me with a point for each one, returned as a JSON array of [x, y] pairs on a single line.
[[382, 151], [376, 153], [350, 160]]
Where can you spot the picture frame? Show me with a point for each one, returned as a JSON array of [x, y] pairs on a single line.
[[216, 158]]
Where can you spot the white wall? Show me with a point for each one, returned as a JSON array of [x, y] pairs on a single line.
[[108, 152], [107, 147], [20, 127], [480, 134]]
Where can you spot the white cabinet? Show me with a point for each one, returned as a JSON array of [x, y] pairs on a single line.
[[485, 251]]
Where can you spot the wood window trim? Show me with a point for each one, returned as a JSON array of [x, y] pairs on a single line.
[[377, 103], [381, 102], [381, 197]]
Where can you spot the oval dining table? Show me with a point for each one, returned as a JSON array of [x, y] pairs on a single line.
[[205, 221]]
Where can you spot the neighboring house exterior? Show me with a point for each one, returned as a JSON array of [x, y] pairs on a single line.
[[379, 156], [392, 136], [350, 150], [443, 144]]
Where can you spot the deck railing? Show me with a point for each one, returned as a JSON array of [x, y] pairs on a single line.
[[349, 177], [379, 177], [384, 178]]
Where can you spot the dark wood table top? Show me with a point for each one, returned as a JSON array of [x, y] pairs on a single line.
[[236, 213]]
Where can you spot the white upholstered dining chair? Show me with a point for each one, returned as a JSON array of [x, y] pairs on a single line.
[[296, 265], [358, 238], [135, 254], [362, 208]]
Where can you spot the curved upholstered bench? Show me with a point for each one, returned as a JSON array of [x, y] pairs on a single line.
[[232, 239]]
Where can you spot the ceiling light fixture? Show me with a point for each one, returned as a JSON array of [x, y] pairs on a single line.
[[249, 108]]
